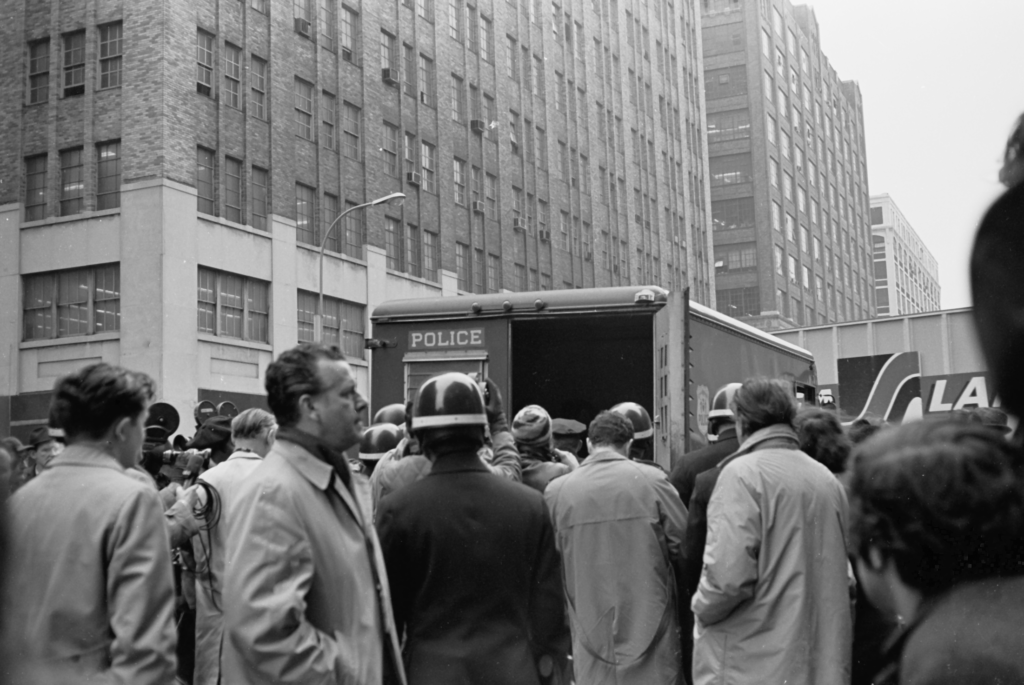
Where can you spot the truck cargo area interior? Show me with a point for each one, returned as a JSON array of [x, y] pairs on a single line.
[[575, 366]]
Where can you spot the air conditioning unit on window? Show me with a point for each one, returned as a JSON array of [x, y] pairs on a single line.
[[478, 126], [413, 177], [545, 236], [302, 26], [518, 224], [390, 76], [424, 97], [478, 206], [588, 255], [615, 268]]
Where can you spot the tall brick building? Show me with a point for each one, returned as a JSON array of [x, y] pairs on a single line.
[[169, 167], [788, 172]]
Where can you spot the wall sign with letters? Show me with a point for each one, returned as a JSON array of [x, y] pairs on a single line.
[[446, 339]]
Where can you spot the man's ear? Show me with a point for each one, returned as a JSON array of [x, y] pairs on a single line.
[[590, 446], [120, 430], [629, 445], [875, 560]]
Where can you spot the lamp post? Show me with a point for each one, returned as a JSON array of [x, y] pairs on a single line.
[[318, 318]]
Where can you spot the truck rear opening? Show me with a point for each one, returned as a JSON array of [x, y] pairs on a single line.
[[575, 366]]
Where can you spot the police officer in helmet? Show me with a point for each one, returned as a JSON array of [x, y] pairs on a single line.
[[642, 449], [466, 552]]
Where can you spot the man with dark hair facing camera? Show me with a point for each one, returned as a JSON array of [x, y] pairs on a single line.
[[306, 597], [937, 524]]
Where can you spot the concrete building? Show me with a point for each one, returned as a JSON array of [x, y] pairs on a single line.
[[788, 172], [906, 273], [169, 168]]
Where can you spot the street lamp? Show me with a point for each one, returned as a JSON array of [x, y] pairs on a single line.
[[318, 323]]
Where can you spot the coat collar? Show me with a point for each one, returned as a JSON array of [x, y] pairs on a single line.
[[80, 455], [779, 435], [243, 454], [316, 471], [604, 454], [458, 463]]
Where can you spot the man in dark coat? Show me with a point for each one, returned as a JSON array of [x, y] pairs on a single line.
[[721, 423], [471, 557]]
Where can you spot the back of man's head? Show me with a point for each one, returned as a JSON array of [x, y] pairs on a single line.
[[610, 429], [762, 402], [252, 424], [862, 429], [293, 374], [822, 438], [943, 500], [88, 402]]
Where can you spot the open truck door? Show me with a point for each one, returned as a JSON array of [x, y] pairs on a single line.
[[671, 375]]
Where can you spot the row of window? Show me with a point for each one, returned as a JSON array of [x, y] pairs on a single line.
[[412, 250], [71, 73], [74, 181], [87, 301]]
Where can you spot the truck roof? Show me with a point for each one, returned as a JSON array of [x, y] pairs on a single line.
[[578, 301], [581, 300]]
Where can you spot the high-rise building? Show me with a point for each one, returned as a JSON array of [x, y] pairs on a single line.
[[788, 174], [172, 166], [906, 273]]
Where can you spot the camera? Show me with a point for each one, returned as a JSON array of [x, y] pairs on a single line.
[[190, 463]]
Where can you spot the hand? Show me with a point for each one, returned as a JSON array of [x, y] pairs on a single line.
[[494, 404], [189, 496], [170, 494]]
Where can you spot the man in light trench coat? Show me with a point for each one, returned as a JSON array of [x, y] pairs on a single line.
[[306, 596]]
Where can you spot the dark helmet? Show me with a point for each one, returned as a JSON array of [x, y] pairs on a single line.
[[449, 400], [638, 416], [720, 408], [392, 413], [379, 439]]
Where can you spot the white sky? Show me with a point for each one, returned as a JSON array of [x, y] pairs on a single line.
[[942, 83]]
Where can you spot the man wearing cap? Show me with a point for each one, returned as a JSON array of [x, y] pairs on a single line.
[[542, 463], [568, 435], [471, 558], [45, 443]]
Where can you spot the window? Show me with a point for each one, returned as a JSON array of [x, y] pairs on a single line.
[[527, 63], [409, 77], [877, 217], [329, 211], [428, 163], [493, 273], [204, 180], [233, 306], [773, 173], [350, 139], [258, 80], [428, 90], [431, 256], [411, 150], [39, 72], [349, 34], [455, 20], [491, 196], [352, 226], [730, 169], [817, 249], [459, 172], [511, 58], [328, 24], [458, 99], [805, 239], [303, 16], [425, 8], [393, 243], [305, 206], [735, 258], [389, 147], [473, 25], [342, 323], [538, 79], [258, 198], [260, 5], [233, 190], [35, 188], [303, 109], [731, 125], [787, 185], [486, 39], [790, 228], [62, 304], [805, 276], [738, 301], [412, 250], [514, 132], [727, 215], [328, 116], [110, 55], [232, 76], [204, 63], [491, 116], [388, 52], [108, 175], [778, 261], [791, 263], [462, 266], [74, 63], [542, 148]]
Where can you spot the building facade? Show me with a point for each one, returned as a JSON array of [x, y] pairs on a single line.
[[906, 273], [171, 168], [788, 172]]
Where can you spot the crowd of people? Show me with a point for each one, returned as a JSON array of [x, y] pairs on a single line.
[[463, 548]]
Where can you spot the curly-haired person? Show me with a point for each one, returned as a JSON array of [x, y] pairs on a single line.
[[937, 521]]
